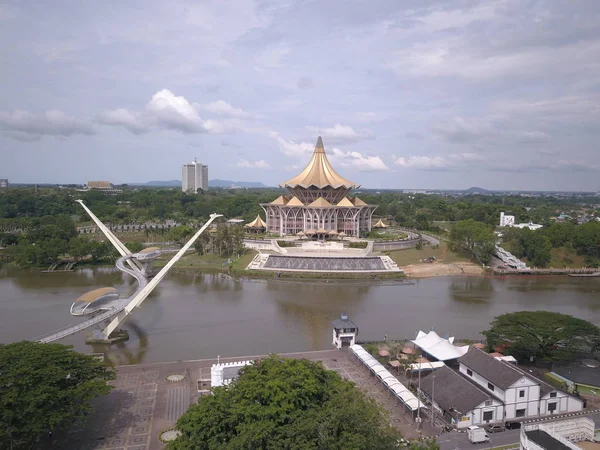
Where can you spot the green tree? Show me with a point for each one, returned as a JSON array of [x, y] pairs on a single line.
[[180, 234], [286, 403], [79, 247], [543, 334], [45, 387], [134, 247], [476, 238]]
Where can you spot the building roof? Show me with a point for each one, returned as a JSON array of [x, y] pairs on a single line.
[[319, 173], [149, 250], [94, 295], [345, 202], [256, 223], [579, 373], [358, 202], [281, 200], [343, 322], [438, 347], [497, 372], [452, 391], [320, 202], [99, 185], [295, 201], [380, 224], [545, 441]]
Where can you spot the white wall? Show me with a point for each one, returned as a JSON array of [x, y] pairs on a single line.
[[529, 403], [481, 381], [564, 403]]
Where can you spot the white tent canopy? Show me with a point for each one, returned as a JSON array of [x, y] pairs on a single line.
[[438, 347], [390, 381]]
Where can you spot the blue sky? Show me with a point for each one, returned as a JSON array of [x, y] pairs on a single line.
[[502, 94]]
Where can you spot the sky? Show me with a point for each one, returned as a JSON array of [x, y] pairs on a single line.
[[501, 94]]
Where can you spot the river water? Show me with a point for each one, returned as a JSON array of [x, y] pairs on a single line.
[[202, 316]]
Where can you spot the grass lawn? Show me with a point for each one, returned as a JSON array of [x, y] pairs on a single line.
[[565, 257], [129, 236], [414, 256], [208, 261]]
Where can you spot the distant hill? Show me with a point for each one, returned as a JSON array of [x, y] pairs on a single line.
[[211, 183], [170, 183], [229, 183], [476, 190]]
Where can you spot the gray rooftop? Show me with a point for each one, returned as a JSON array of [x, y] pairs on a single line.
[[452, 391], [343, 322], [578, 373], [497, 372], [545, 441]]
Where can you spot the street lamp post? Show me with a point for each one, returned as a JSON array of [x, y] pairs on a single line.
[[432, 397], [419, 401]]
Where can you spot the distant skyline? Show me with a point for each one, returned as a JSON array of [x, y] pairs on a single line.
[[502, 94]]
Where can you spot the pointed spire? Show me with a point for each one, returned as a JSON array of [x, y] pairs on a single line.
[[319, 148]]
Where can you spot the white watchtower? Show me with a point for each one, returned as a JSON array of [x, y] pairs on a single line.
[[344, 332]]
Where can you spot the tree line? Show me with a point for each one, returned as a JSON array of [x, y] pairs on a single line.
[[145, 204], [537, 245]]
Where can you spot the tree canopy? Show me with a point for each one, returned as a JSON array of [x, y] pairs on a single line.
[[543, 334], [286, 403], [45, 387], [476, 238]]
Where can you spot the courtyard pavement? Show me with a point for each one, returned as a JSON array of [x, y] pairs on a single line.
[[145, 403]]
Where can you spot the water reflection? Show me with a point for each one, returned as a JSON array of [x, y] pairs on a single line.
[[193, 316], [315, 305], [472, 290], [126, 352]]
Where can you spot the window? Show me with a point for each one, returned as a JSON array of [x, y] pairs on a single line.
[[552, 394], [488, 403], [551, 407], [522, 393], [488, 416], [490, 386], [469, 372], [520, 413]]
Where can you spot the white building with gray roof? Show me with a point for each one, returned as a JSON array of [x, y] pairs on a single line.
[[523, 395]]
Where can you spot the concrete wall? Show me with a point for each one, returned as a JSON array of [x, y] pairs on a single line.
[[564, 404], [530, 402]]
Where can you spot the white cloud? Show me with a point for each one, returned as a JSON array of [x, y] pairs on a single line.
[[366, 116], [272, 57], [461, 130], [261, 164], [448, 162], [226, 109], [7, 12], [24, 125], [358, 161], [338, 134], [292, 148], [305, 83], [123, 117], [167, 111]]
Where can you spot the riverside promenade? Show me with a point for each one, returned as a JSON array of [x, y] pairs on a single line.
[[149, 398]]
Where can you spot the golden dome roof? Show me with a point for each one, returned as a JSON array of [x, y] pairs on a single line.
[[319, 173]]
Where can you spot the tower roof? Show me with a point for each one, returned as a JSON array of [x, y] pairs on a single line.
[[319, 173], [257, 223]]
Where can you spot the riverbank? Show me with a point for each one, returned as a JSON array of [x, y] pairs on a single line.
[[437, 269]]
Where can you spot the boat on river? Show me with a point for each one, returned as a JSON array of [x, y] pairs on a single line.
[[594, 274]]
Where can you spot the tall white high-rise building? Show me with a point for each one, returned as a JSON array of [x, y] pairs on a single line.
[[194, 176]]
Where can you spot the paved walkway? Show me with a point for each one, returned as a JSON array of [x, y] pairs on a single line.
[[144, 403]]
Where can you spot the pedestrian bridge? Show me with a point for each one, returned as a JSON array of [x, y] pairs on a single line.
[[117, 311]]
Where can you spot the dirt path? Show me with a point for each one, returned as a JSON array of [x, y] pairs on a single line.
[[438, 269]]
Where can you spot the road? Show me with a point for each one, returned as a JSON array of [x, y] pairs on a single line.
[[455, 440]]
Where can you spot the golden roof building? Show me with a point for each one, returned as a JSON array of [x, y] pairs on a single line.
[[318, 201]]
